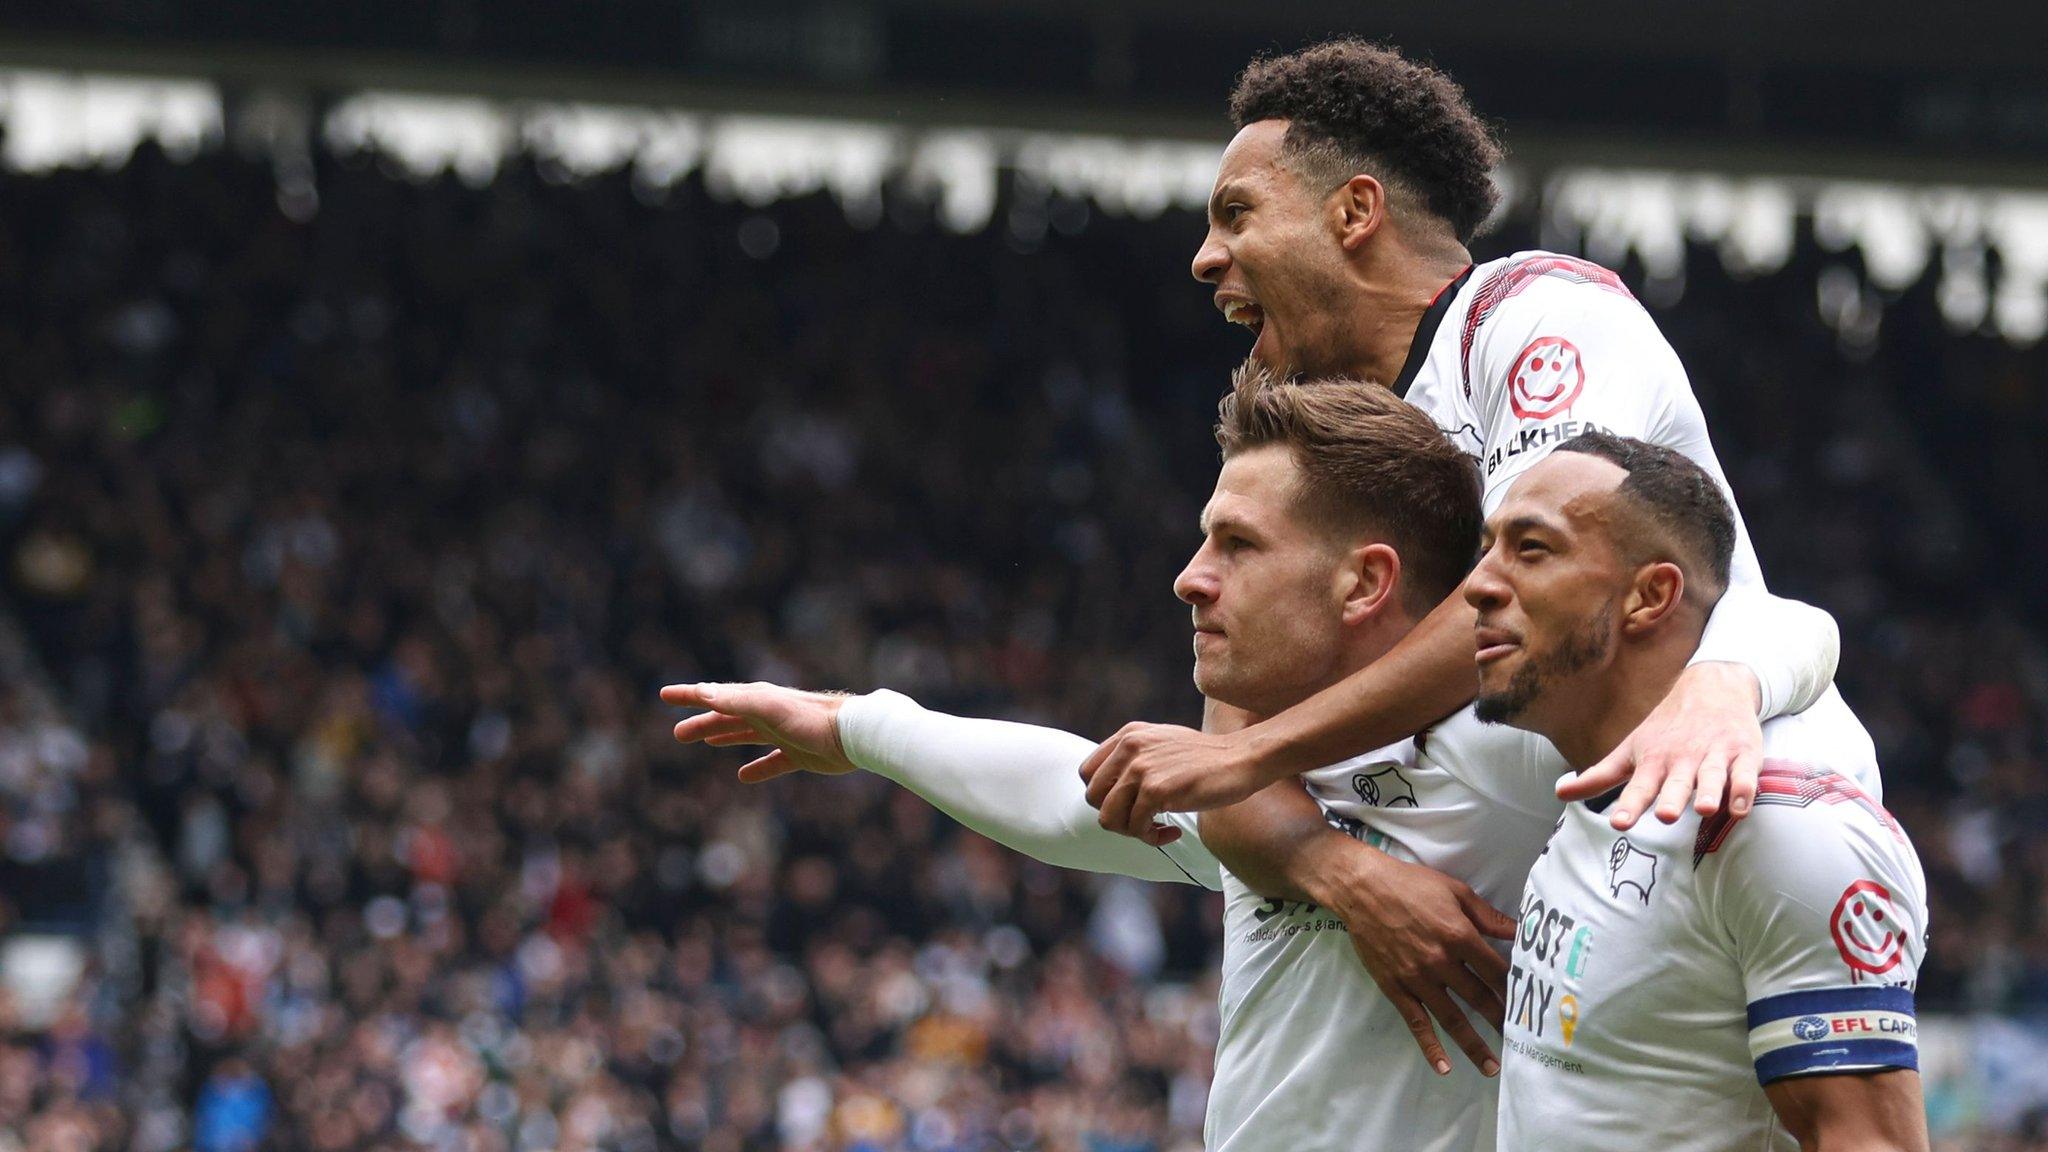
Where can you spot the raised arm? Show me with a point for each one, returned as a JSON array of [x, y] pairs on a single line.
[[1014, 783]]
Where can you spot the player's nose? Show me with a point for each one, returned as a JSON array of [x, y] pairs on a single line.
[[1196, 583], [1211, 259], [1485, 588]]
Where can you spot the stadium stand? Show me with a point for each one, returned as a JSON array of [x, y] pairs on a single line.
[[351, 540]]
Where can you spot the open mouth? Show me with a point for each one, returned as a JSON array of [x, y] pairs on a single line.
[[1239, 310]]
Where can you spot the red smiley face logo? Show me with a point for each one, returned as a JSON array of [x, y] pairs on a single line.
[[1546, 378], [1867, 928]]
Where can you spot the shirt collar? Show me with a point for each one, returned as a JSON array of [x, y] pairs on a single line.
[[1425, 333]]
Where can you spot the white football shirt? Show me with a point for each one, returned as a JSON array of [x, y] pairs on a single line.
[[1520, 354], [1310, 1054], [1525, 352], [1662, 976]]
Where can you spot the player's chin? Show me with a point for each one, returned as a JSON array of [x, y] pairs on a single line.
[[1496, 678]]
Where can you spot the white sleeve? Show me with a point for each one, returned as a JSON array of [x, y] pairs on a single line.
[[1016, 784], [1824, 905], [1571, 351], [1792, 646]]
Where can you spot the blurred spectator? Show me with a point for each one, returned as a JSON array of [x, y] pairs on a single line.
[[233, 1112]]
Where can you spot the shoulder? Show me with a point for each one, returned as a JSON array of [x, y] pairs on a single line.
[[1535, 281], [1510, 766], [1814, 840], [1827, 734], [1543, 305], [1800, 808]]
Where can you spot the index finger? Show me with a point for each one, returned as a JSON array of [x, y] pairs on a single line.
[[1638, 796], [1483, 959], [1448, 1014], [1610, 773], [688, 695], [1417, 1019], [1116, 807]]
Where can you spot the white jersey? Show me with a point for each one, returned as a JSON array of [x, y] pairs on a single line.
[[1310, 1054], [1520, 354], [1662, 976]]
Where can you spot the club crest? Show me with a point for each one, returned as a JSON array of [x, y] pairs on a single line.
[[1383, 786], [1630, 867]]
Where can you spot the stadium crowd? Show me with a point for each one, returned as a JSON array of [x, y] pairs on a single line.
[[355, 529]]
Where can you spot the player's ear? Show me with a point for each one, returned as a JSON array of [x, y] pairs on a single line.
[[1657, 591], [1360, 208], [1368, 582]]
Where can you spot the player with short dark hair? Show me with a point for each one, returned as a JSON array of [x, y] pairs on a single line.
[[1697, 986]]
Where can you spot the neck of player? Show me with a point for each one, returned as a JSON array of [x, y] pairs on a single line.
[[1621, 696], [1390, 293]]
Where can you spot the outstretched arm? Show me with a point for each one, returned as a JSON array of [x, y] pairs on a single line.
[[1014, 783]]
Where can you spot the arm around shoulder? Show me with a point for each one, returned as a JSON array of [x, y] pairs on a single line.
[[1791, 647]]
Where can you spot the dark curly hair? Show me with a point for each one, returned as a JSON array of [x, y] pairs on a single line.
[[1352, 107]]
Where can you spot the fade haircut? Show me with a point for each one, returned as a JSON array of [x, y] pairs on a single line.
[[1687, 519], [1352, 107], [1370, 462]]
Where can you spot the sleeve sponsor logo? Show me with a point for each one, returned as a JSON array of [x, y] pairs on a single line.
[[1547, 377], [1867, 929], [1511, 280]]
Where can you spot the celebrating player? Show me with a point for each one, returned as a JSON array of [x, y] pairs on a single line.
[[1337, 232], [1340, 518], [1674, 986]]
